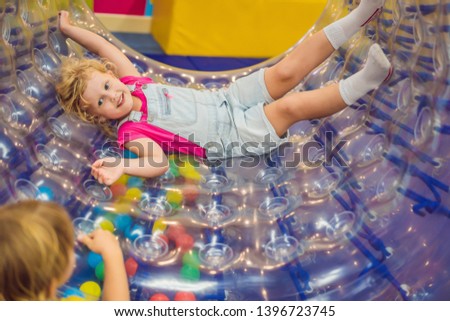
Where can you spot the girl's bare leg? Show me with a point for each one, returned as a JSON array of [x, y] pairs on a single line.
[[289, 109], [286, 74]]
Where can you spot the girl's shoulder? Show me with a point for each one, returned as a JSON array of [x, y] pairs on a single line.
[[131, 80]]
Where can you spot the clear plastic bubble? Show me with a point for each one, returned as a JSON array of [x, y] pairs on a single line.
[[83, 226], [154, 207], [216, 255], [283, 249], [96, 190], [149, 247]]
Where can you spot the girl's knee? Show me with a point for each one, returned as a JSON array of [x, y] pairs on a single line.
[[281, 74], [289, 106]]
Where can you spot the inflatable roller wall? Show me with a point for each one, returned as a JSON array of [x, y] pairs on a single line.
[[371, 223]]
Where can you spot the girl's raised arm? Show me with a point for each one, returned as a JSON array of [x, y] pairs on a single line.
[[98, 45]]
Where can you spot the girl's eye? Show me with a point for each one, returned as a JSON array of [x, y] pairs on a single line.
[[107, 85], [100, 102]]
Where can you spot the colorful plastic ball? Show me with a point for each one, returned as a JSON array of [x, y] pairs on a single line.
[[189, 172], [122, 222], [98, 211], [174, 196], [133, 194], [72, 292], [184, 242], [94, 259], [129, 154], [159, 297], [122, 206], [190, 193], [189, 160], [190, 273], [73, 298], [173, 168], [175, 206], [100, 271], [133, 232], [123, 180], [159, 225], [110, 216], [185, 296], [131, 266], [92, 290], [135, 181], [107, 225], [118, 189], [173, 231], [191, 258], [45, 193]]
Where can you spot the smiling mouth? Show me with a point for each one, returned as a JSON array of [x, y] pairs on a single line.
[[121, 99]]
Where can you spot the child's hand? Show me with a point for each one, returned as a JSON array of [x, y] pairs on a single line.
[[101, 242], [107, 170], [64, 22]]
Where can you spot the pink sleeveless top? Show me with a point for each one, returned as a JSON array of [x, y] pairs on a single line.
[[132, 130]]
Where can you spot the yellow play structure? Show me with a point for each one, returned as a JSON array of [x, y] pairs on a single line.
[[232, 28]]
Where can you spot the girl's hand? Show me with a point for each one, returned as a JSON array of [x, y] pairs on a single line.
[[101, 242], [107, 170], [64, 21]]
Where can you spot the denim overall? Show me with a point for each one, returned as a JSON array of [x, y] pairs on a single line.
[[219, 121]]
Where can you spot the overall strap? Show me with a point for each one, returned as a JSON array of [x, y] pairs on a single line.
[[134, 116]]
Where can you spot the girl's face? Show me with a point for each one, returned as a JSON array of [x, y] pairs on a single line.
[[107, 96]]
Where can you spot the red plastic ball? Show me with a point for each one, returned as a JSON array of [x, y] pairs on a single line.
[[190, 193], [131, 266], [185, 242], [185, 296], [173, 231], [118, 189], [159, 297]]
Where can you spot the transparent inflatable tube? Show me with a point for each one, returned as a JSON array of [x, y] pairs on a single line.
[[281, 229]]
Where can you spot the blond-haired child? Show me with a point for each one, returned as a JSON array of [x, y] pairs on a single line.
[[37, 250]]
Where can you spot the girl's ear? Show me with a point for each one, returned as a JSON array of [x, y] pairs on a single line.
[[110, 72]]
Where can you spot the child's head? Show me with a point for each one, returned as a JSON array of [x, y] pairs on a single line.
[[74, 79], [37, 250], [90, 89]]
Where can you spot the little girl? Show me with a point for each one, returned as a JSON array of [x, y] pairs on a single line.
[[37, 253], [250, 117]]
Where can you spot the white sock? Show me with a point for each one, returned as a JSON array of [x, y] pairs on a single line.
[[342, 30], [376, 70]]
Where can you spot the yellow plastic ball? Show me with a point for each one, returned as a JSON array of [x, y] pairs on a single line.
[[133, 194], [107, 225], [92, 290], [73, 298], [122, 206], [159, 225], [174, 196], [188, 171], [123, 179]]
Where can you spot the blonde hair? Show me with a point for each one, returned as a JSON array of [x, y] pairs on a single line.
[[36, 241], [74, 76]]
